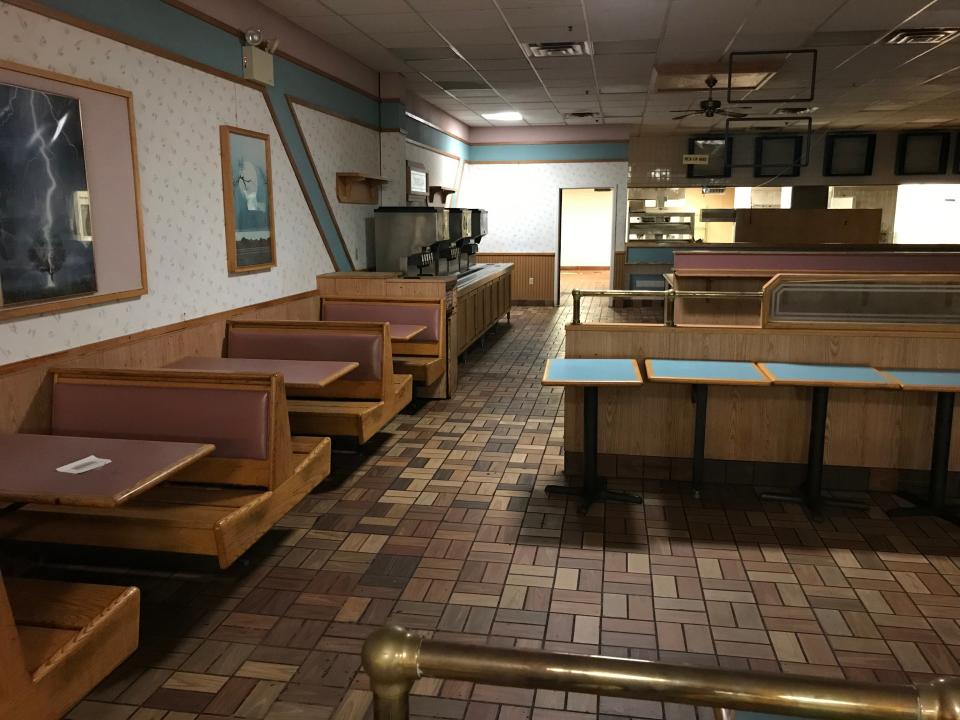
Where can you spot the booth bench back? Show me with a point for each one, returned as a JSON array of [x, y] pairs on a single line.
[[428, 313], [243, 415], [366, 343]]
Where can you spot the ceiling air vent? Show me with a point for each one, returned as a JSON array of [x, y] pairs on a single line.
[[580, 114], [920, 36], [558, 49]]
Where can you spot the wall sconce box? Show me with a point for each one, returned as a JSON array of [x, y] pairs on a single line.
[[257, 65]]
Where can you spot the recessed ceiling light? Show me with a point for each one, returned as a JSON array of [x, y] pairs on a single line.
[[508, 116]]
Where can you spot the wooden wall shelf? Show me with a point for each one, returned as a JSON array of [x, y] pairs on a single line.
[[443, 192], [357, 188]]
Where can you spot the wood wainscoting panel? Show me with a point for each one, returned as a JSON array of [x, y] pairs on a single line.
[[619, 270], [25, 386], [865, 428], [538, 267]]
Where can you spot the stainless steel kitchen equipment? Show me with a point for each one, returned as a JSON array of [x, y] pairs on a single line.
[[412, 240], [473, 224]]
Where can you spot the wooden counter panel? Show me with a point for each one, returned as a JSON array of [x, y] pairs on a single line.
[[865, 428]]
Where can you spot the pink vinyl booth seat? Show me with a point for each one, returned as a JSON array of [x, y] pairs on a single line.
[[358, 405], [237, 422], [399, 313], [218, 506], [423, 357], [365, 343], [234, 413]]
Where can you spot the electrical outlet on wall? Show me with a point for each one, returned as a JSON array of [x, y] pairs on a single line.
[[531, 281]]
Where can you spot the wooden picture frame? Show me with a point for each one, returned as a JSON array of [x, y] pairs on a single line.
[[416, 196], [832, 149], [113, 218], [259, 253], [906, 165]]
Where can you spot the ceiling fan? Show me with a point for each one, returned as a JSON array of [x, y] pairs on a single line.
[[709, 107]]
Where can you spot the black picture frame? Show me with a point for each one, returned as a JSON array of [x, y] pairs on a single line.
[[913, 166], [835, 143], [769, 170], [704, 172]]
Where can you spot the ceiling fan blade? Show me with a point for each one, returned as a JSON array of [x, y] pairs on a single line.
[[728, 113], [681, 117]]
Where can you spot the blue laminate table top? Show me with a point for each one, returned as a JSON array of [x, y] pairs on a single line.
[[712, 372], [826, 375], [592, 372], [927, 380]]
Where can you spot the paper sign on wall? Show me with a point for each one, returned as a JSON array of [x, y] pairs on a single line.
[[696, 159]]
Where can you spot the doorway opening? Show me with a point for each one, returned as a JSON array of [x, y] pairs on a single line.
[[586, 239]]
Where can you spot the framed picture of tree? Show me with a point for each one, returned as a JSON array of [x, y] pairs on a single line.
[[247, 200]]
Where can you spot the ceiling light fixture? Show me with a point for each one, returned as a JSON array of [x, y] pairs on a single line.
[[507, 116]]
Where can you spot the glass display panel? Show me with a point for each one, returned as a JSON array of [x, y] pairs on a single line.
[[863, 302]]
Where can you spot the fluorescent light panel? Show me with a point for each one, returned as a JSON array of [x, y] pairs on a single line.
[[506, 116]]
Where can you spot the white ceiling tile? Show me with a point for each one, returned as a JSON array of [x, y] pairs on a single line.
[[408, 40], [325, 25], [297, 7], [389, 23], [484, 51], [619, 20], [872, 14], [439, 64], [471, 20], [368, 7], [517, 63]]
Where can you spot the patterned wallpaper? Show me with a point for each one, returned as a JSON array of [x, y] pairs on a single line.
[[523, 200], [393, 168], [338, 145], [178, 112], [441, 169]]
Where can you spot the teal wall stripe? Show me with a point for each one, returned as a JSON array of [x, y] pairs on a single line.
[[431, 137], [392, 115], [287, 127], [162, 25], [549, 152]]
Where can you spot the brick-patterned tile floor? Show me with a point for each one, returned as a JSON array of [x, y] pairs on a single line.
[[442, 525]]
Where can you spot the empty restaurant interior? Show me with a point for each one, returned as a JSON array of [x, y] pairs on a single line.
[[480, 359]]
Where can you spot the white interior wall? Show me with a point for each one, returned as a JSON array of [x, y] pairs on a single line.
[[586, 227], [523, 200], [338, 145], [927, 214]]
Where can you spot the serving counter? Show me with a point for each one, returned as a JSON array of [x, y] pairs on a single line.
[[874, 438]]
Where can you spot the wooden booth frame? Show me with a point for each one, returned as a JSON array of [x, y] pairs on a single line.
[[45, 307], [229, 224]]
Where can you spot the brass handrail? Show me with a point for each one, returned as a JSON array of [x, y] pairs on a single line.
[[668, 296], [394, 659]]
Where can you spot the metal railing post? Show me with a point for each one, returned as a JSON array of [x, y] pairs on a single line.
[[576, 306], [390, 657], [669, 297], [394, 659]]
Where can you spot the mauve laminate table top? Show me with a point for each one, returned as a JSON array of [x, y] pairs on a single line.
[[28, 468], [297, 374], [405, 332]]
